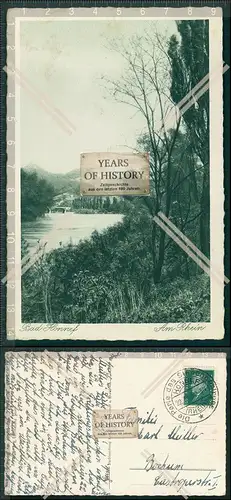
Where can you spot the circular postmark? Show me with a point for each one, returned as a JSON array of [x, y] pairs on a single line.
[[191, 395]]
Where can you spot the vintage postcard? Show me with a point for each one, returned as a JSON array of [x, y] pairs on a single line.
[[115, 424], [115, 173]]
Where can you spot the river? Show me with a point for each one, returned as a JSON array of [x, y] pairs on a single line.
[[58, 229]]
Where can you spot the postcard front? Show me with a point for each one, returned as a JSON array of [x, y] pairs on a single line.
[[115, 208], [115, 424]]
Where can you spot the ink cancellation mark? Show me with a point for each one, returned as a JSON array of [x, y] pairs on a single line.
[[115, 423], [191, 395]]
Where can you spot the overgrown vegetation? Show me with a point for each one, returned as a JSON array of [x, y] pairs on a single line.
[[109, 279]]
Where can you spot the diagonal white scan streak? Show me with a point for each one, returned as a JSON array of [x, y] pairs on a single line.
[[155, 383], [182, 245], [193, 95], [45, 99], [25, 264], [186, 249], [196, 96], [41, 99], [190, 244]]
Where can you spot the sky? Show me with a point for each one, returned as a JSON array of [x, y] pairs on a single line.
[[65, 61]]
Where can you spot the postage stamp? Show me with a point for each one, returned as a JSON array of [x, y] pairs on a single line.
[[115, 209], [191, 395], [115, 423], [199, 387]]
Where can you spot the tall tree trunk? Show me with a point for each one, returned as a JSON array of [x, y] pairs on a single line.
[[161, 254], [160, 261], [154, 251], [205, 215]]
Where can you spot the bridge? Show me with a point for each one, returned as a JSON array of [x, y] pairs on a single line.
[[60, 209]]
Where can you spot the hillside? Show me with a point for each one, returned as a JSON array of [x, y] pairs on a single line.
[[61, 182]]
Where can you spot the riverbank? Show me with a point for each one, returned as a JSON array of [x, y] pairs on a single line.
[[93, 211], [108, 278]]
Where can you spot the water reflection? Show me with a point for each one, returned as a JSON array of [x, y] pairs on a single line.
[[60, 229]]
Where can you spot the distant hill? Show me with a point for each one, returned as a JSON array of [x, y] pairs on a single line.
[[61, 182]]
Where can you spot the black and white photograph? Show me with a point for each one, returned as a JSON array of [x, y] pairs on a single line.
[[116, 88]]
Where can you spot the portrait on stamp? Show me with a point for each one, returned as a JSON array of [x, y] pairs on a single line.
[[191, 395]]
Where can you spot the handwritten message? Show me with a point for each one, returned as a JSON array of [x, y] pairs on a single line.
[[49, 443]]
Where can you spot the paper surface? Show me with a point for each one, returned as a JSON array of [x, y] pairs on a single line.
[[180, 400], [115, 266]]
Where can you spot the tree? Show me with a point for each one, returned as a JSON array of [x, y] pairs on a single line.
[[145, 86], [185, 207], [189, 56], [36, 196], [107, 204]]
